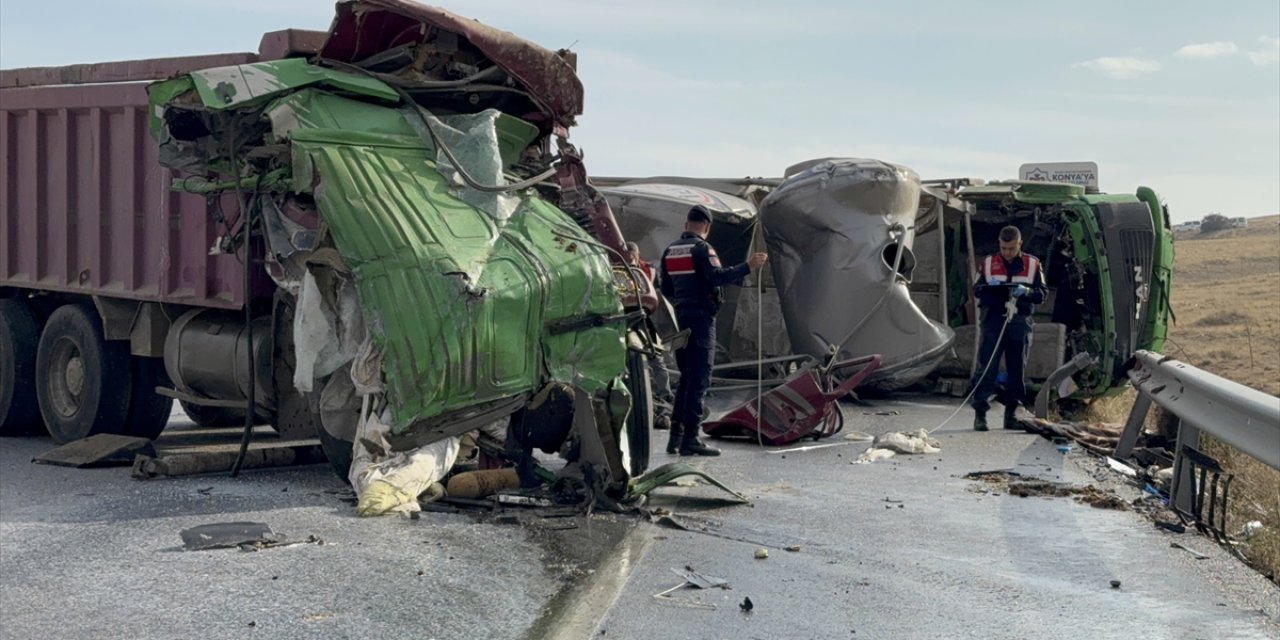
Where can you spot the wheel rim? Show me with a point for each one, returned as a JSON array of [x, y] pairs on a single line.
[[67, 382]]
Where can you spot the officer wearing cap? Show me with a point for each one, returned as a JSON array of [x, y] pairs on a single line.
[[691, 280], [1008, 274]]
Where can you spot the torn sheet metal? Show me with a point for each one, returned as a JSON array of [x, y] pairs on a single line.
[[101, 450], [226, 535], [459, 303], [669, 473], [368, 27], [832, 231]]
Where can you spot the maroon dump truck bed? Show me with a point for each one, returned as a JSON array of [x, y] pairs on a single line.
[[85, 206]]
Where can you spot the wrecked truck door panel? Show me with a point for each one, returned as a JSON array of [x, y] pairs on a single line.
[[473, 297], [840, 234]]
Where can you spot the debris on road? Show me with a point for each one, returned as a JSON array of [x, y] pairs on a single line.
[[746, 605], [482, 483], [1196, 554], [225, 535], [762, 553], [222, 459], [668, 473], [1115, 584], [699, 580], [859, 436], [795, 548], [101, 450], [1100, 438], [811, 447], [1031, 487], [887, 445]]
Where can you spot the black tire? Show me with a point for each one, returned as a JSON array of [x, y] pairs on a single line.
[[19, 335], [207, 416], [148, 410], [340, 453], [640, 421], [294, 416], [83, 382]]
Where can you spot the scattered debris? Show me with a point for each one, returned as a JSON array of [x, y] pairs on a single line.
[[1098, 438], [746, 605], [668, 473], [221, 459], [102, 450], [1026, 488], [259, 545], [762, 553], [873, 455], [1121, 468], [698, 580], [1196, 554], [1175, 527], [692, 580], [795, 548], [811, 447], [479, 484], [858, 436], [522, 501], [881, 413], [1115, 584], [1250, 529]]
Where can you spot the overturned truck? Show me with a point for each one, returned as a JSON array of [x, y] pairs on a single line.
[[867, 257], [419, 255]]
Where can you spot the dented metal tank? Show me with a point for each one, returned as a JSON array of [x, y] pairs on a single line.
[[836, 229]]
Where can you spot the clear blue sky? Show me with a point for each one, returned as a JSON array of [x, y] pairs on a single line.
[[1181, 96]]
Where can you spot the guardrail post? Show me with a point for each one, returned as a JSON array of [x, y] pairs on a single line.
[[1183, 487], [1132, 428]]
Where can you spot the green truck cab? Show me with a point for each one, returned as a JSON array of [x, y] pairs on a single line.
[[1108, 262]]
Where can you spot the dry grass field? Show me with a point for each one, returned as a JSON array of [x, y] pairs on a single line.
[[1226, 299]]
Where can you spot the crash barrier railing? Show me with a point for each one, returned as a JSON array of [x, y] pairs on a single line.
[[1244, 418]]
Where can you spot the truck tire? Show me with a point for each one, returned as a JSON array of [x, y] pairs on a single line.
[[206, 416], [83, 382], [19, 334], [640, 420], [340, 453], [148, 410]]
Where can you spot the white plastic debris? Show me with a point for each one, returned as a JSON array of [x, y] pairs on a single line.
[[1250, 529], [1122, 468], [918, 442], [874, 455], [387, 482], [328, 328], [858, 436]]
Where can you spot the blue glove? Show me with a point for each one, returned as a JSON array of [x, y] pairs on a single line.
[[1020, 291], [994, 282]]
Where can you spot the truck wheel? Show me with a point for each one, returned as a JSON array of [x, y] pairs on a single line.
[[207, 416], [148, 410], [19, 333], [339, 452], [640, 421], [294, 416], [82, 380]]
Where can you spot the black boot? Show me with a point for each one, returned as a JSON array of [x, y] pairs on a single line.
[[1011, 417], [691, 446], [673, 438], [980, 422]]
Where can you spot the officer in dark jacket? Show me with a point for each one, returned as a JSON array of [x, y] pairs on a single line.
[[691, 280], [1009, 275]]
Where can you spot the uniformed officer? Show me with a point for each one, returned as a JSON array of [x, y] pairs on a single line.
[[691, 280], [1011, 273]]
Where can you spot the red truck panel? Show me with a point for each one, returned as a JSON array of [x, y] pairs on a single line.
[[86, 207]]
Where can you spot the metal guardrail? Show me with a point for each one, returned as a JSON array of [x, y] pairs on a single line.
[[1240, 416]]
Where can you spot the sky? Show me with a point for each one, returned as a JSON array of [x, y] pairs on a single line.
[[1183, 97]]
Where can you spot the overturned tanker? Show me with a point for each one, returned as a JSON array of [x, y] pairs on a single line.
[[840, 234], [445, 266]]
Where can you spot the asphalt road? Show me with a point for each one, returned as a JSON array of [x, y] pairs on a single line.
[[908, 548], [904, 548]]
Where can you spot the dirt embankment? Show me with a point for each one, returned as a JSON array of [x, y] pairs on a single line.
[[1226, 298]]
